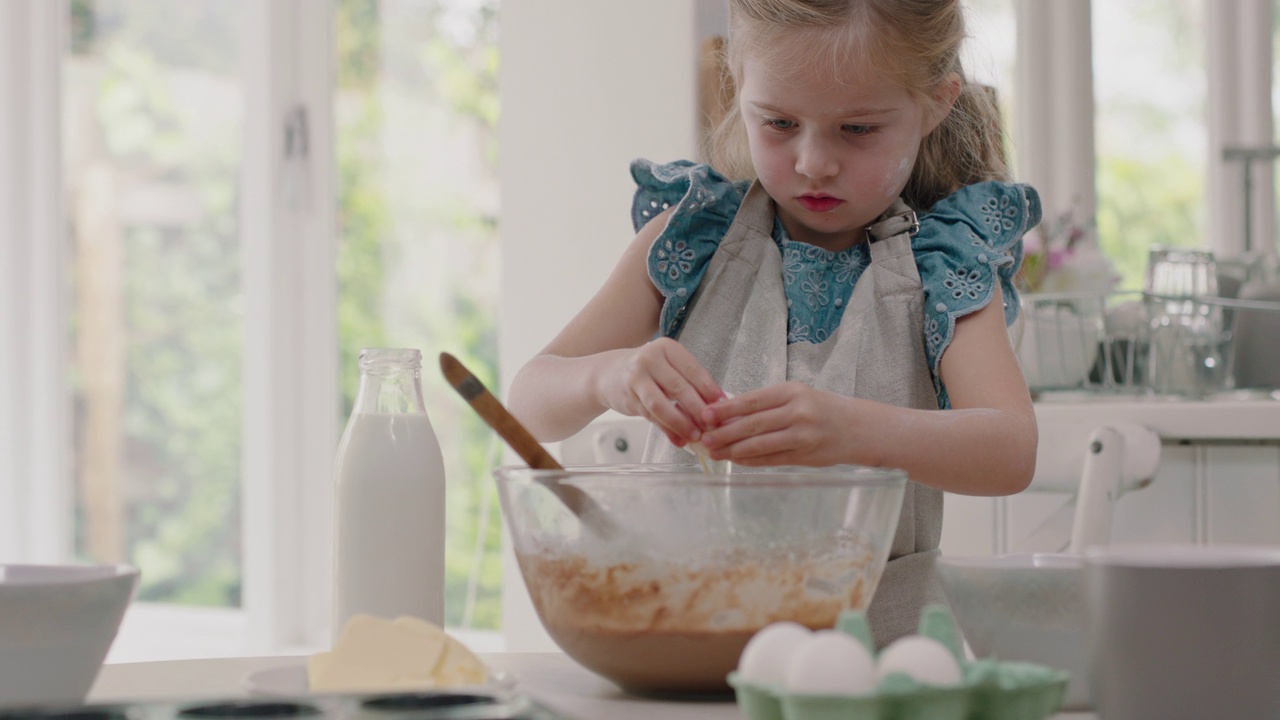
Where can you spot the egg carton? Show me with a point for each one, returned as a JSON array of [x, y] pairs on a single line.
[[988, 689], [433, 705]]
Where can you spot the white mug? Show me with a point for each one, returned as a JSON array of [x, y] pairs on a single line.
[[1183, 631]]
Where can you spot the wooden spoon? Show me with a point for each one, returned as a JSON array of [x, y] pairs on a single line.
[[530, 450]]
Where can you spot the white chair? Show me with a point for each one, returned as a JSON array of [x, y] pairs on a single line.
[[610, 440]]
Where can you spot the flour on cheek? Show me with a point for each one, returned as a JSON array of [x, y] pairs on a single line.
[[896, 176]]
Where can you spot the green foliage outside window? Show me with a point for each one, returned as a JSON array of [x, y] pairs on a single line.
[[459, 70], [1143, 203], [178, 293]]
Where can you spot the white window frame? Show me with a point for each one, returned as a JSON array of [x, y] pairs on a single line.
[[291, 390], [291, 399], [1239, 57], [35, 409], [1054, 134]]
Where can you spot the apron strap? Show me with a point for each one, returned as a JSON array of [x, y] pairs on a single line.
[[897, 224], [896, 220]]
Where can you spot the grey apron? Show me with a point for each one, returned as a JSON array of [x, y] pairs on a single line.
[[737, 328]]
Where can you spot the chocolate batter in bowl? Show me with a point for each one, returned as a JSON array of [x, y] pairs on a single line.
[[700, 564]]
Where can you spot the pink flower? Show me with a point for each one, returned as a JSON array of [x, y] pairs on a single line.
[[1058, 257]]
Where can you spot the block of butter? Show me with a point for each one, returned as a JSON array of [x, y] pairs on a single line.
[[376, 655]]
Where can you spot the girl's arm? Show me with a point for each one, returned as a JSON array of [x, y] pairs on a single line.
[[605, 358], [984, 445]]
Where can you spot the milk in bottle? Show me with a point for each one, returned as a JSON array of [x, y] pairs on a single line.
[[389, 490]]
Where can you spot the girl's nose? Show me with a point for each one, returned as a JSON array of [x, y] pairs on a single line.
[[815, 159]]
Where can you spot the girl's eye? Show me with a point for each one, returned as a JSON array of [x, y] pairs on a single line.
[[859, 129], [779, 123]]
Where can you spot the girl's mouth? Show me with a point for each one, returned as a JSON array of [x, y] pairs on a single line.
[[818, 203]]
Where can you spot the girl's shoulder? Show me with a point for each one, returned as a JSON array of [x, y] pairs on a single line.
[[972, 237], [693, 188], [969, 243], [704, 203], [997, 213]]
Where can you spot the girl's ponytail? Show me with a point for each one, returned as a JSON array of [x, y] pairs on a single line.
[[724, 140], [967, 147]]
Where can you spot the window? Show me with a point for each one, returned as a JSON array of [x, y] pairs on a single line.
[[251, 193], [153, 116]]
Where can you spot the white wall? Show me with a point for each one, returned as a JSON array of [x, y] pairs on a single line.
[[585, 87]]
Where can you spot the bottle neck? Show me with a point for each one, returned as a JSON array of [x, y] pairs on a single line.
[[390, 381]]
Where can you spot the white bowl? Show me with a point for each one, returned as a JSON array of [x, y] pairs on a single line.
[[57, 623], [1027, 608]]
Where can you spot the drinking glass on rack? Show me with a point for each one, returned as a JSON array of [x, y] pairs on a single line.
[[1181, 272], [1187, 343]]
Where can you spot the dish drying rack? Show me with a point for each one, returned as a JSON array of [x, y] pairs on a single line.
[[1142, 344]]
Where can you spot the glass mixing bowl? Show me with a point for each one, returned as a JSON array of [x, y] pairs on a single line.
[[696, 563]]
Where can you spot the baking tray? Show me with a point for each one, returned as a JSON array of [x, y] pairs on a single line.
[[431, 705]]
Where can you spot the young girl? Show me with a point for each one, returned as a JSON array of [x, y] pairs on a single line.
[[835, 290]]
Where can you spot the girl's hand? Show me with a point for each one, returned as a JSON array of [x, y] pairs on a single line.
[[785, 424], [664, 383]]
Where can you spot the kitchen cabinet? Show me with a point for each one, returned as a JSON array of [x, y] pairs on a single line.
[[1218, 480]]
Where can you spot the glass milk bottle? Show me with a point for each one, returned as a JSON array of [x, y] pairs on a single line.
[[388, 498]]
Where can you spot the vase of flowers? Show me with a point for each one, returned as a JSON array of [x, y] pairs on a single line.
[[1062, 256]]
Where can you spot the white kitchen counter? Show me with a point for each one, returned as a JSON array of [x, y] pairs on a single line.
[[1229, 417], [550, 678], [1067, 421]]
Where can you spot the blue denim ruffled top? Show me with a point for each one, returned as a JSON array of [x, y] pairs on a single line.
[[967, 242]]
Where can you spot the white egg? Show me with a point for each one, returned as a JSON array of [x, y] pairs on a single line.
[[768, 652], [926, 660], [831, 663]]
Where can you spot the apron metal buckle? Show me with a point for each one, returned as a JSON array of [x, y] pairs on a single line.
[[905, 222]]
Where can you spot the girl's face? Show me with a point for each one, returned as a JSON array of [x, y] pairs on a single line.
[[833, 144]]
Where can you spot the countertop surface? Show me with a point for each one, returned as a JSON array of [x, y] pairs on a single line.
[[549, 678]]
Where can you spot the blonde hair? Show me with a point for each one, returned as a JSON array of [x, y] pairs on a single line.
[[914, 43]]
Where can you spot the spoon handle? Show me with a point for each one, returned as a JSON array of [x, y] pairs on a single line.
[[495, 415], [581, 504]]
